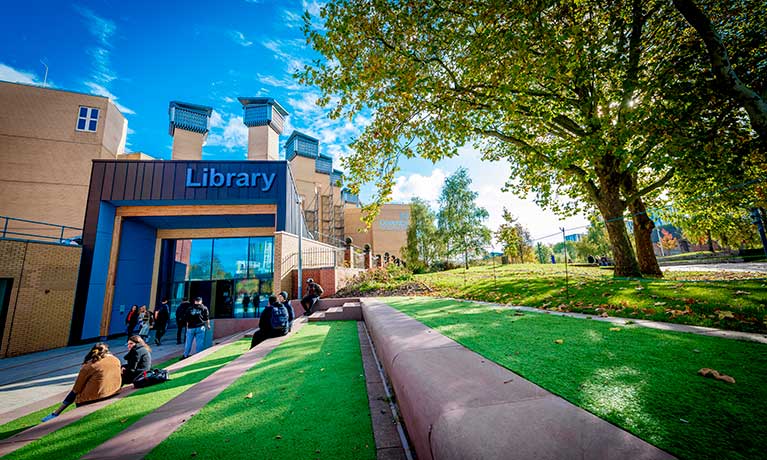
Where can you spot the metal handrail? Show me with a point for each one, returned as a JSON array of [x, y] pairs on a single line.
[[61, 228]]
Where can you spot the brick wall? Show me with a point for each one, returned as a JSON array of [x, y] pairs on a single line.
[[40, 309]]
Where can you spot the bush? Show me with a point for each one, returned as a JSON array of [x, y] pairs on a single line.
[[443, 265]]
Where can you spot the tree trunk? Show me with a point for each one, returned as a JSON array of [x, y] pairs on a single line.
[[611, 207], [643, 227], [710, 241]]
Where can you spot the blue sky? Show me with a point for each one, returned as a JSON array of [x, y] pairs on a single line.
[[145, 54]]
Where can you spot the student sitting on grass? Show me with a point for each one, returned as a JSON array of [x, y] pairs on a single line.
[[99, 378], [273, 322], [137, 361], [283, 299]]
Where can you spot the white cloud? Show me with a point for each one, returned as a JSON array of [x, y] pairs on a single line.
[[99, 90], [229, 100], [407, 187], [292, 20], [288, 52], [229, 132], [239, 38], [8, 73], [102, 30], [287, 83]]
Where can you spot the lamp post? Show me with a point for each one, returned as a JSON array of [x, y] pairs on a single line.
[[300, 242]]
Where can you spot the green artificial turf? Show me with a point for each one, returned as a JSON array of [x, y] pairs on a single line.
[[726, 300], [305, 400], [75, 440], [28, 421], [641, 379]]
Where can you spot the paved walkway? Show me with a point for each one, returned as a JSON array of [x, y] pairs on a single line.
[[760, 267], [45, 377], [709, 331]]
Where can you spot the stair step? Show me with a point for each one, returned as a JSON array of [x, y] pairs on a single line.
[[334, 310], [351, 304], [319, 316]]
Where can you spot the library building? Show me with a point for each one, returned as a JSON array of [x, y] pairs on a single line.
[[116, 229]]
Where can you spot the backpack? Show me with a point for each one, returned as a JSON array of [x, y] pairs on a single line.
[[279, 320], [150, 377]]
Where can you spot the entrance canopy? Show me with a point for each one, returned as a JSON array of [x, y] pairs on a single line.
[[134, 206]]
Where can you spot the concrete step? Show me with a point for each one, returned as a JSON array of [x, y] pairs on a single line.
[[317, 316], [353, 313]]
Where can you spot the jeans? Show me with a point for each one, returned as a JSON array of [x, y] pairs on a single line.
[[308, 303], [198, 335]]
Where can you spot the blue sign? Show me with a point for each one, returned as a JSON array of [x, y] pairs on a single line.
[[213, 178]]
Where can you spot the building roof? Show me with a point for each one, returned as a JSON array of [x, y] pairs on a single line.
[[246, 101]]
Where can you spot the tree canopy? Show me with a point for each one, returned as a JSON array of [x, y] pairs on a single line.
[[583, 99]]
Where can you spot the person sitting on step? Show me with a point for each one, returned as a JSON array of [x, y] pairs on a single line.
[[313, 293], [137, 361], [272, 323], [282, 298], [98, 379]]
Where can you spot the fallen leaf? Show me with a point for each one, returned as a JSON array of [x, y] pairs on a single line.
[[659, 304], [559, 341], [604, 315], [123, 420], [249, 395], [725, 314], [713, 374], [194, 454], [742, 293], [278, 437], [615, 329]]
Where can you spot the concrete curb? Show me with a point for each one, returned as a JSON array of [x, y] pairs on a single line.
[[458, 405]]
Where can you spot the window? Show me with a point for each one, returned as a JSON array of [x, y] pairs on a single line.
[[87, 119]]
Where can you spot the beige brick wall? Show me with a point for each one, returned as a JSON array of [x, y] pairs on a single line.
[[40, 309], [388, 232], [187, 145], [45, 163]]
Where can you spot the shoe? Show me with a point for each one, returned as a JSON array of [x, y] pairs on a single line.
[[182, 357], [48, 417], [157, 342]]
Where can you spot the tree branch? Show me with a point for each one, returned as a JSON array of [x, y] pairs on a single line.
[[722, 68], [654, 186]]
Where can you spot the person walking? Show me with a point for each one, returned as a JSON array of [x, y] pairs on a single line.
[[161, 317], [181, 321], [245, 303], [99, 378], [131, 320], [273, 322], [137, 360], [283, 299], [313, 293], [197, 322], [145, 322]]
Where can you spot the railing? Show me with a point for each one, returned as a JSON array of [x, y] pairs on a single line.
[[24, 229]]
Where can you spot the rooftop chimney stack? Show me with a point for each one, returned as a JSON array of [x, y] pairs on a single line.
[[264, 118], [189, 125]]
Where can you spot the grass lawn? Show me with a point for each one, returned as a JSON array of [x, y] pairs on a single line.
[[640, 379], [75, 440], [305, 400], [737, 304], [22, 423]]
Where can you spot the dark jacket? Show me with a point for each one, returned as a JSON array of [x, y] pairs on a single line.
[[131, 319], [265, 320], [291, 314], [196, 315], [315, 290], [163, 315], [181, 313], [137, 360]]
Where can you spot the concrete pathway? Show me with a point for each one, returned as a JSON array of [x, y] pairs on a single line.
[[139, 439], [701, 330], [760, 267], [38, 431], [47, 376]]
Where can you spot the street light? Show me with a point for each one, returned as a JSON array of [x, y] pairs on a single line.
[[300, 241]]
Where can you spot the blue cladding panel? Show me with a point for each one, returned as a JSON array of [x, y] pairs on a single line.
[[257, 115], [189, 120], [98, 278], [134, 271], [323, 165]]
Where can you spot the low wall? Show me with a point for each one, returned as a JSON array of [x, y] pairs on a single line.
[[330, 278], [458, 405], [42, 278], [224, 327]]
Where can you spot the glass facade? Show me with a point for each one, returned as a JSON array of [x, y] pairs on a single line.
[[232, 275]]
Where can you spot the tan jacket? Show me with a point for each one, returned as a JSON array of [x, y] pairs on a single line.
[[98, 380]]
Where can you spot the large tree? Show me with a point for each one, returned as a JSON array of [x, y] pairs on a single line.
[[423, 243], [514, 237], [573, 94], [460, 219]]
